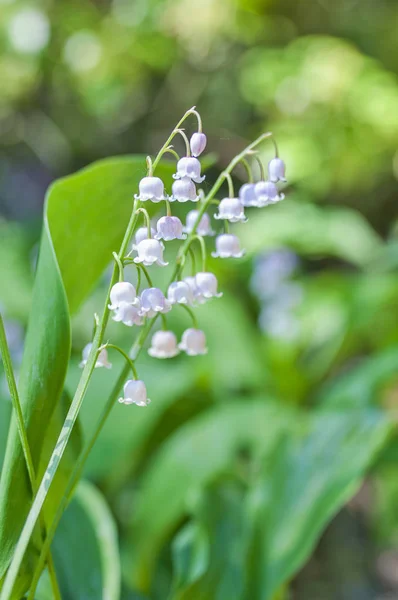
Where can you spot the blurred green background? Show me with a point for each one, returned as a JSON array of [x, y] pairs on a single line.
[[309, 317]]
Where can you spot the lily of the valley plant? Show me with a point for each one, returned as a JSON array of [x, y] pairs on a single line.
[[144, 305]]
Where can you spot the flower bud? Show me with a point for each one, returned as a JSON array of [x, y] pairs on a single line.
[[163, 345], [179, 292], [227, 246], [193, 342], [276, 170], [184, 190], [169, 228], [188, 166], [150, 252], [204, 225], [232, 210], [102, 358], [266, 193], [151, 188], [153, 302], [135, 393], [198, 143], [207, 285], [122, 293]]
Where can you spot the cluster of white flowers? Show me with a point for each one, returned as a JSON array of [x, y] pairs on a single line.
[[130, 307]]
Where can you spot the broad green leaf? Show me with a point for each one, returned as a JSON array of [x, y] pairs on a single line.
[[196, 453], [312, 231], [85, 548], [303, 483], [85, 219]]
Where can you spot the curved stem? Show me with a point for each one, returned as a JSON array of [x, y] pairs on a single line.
[[192, 111], [171, 136], [168, 208], [193, 261], [231, 191], [186, 140], [138, 278], [120, 266], [122, 352], [248, 170], [147, 220], [145, 271], [261, 167], [192, 315], [202, 248], [170, 150], [150, 167]]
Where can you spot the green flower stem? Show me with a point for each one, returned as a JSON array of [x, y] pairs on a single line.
[[186, 140], [193, 261], [191, 314], [74, 409], [23, 436], [170, 150], [261, 167], [79, 467], [120, 266], [168, 208], [231, 191], [126, 357], [164, 322], [165, 146], [66, 430], [147, 220], [248, 170]]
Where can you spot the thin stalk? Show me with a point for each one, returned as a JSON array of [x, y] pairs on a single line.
[[170, 150], [147, 220], [167, 143], [191, 314], [126, 357], [23, 436], [120, 266], [168, 208], [149, 166], [193, 261], [261, 167], [248, 170], [231, 191], [89, 367], [186, 140], [77, 471]]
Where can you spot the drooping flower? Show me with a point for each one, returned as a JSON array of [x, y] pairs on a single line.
[[266, 193], [142, 234], [184, 190], [169, 228], [102, 359], [227, 246], [153, 301], [193, 342], [150, 252], [122, 292], [179, 292], [134, 392], [232, 210], [198, 298], [128, 314], [151, 188], [247, 194], [204, 225], [206, 285], [163, 345], [189, 166], [198, 143], [276, 170]]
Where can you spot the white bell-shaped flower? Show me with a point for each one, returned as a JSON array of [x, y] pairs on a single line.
[[150, 252], [189, 166], [198, 298], [232, 210], [142, 234], [128, 314], [276, 170], [180, 292], [204, 225], [163, 345], [247, 194], [134, 392], [193, 342], [169, 228], [227, 246], [102, 359], [184, 190], [267, 193], [151, 188], [206, 285], [122, 292], [198, 143], [153, 301]]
